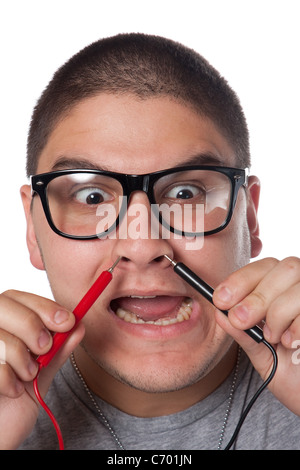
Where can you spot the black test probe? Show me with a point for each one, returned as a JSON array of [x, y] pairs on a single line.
[[207, 291], [256, 333]]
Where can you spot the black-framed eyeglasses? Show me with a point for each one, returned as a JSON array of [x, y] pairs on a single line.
[[188, 201]]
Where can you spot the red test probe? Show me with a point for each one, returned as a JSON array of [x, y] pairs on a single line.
[[59, 338]]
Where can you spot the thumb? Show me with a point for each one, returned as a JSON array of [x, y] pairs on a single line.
[[48, 372], [259, 355]]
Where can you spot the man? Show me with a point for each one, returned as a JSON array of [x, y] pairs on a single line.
[[155, 366]]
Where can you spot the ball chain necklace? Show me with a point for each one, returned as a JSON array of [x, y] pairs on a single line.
[[102, 415], [113, 433]]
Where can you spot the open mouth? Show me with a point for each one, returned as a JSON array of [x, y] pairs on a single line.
[[153, 310]]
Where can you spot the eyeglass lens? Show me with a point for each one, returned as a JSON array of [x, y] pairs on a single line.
[[87, 204]]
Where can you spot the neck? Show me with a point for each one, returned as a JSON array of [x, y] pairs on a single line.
[[142, 404]]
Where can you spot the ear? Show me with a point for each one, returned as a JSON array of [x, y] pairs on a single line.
[[252, 219], [32, 244]]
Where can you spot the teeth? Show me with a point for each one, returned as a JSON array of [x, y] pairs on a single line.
[[142, 296], [183, 314]]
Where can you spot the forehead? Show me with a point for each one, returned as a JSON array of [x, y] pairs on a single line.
[[130, 135]]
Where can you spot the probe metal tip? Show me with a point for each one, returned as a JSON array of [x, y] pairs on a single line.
[[171, 261], [110, 270]]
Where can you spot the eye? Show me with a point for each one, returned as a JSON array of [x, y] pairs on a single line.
[[91, 196], [185, 191]]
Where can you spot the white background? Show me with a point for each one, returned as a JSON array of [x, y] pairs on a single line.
[[253, 43]]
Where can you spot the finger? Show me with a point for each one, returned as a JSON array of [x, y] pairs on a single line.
[[10, 385], [18, 357], [17, 369], [27, 324], [53, 316], [47, 374], [240, 283], [258, 353], [282, 314], [292, 334], [257, 305], [22, 322]]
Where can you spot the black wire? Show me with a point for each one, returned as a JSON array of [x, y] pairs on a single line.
[[257, 394], [255, 333]]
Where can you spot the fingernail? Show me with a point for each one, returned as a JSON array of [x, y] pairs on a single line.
[[44, 338], [61, 316], [241, 312], [224, 294]]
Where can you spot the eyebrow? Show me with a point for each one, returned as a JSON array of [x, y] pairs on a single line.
[[67, 163], [206, 158]]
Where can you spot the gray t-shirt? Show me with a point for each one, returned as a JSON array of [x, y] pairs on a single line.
[[269, 424]]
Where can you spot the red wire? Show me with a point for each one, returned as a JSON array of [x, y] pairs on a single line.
[[49, 413], [84, 305]]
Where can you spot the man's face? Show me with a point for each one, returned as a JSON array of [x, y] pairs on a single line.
[[127, 135]]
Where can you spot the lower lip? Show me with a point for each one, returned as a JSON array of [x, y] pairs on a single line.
[[157, 332]]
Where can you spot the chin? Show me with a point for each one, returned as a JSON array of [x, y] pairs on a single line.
[[161, 381], [160, 374]]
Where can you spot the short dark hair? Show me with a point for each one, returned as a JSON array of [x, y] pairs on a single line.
[[146, 66]]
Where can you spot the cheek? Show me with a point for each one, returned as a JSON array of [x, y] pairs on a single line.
[[236, 237], [220, 254], [72, 266]]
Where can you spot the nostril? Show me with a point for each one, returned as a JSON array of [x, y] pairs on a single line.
[[157, 260]]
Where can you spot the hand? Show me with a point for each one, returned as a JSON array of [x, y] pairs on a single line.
[[25, 324], [266, 293]]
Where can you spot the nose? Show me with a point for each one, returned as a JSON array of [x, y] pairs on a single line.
[[138, 239]]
